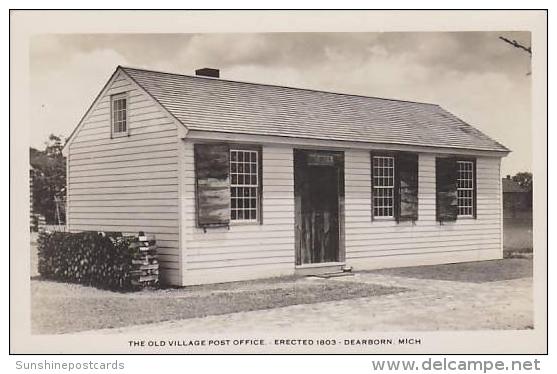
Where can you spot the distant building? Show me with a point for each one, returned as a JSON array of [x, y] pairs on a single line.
[[517, 200]]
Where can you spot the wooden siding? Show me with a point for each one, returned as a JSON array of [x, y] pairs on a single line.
[[245, 251], [254, 251], [128, 183], [384, 243]]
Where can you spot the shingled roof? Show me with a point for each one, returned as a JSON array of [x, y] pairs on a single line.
[[220, 105]]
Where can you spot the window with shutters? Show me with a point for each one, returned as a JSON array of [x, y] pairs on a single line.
[[244, 185], [119, 115], [394, 178], [383, 186], [465, 188]]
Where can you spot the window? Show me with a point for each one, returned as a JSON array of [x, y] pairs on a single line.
[[119, 114], [244, 185], [228, 184], [465, 188], [383, 186], [394, 179]]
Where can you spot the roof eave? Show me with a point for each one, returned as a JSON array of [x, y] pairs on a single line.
[[65, 148], [194, 134]]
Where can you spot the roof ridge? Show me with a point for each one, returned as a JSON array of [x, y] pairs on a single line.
[[382, 121], [275, 85]]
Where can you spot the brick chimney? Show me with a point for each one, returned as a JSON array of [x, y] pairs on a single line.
[[208, 72]]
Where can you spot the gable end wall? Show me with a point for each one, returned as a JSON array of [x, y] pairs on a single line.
[[127, 183]]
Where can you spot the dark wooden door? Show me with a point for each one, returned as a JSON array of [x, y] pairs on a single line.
[[318, 214]]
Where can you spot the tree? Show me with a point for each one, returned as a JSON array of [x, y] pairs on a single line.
[[49, 178], [524, 180]]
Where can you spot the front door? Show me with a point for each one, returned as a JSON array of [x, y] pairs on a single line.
[[318, 184]]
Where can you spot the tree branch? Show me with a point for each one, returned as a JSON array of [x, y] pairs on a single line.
[[516, 44]]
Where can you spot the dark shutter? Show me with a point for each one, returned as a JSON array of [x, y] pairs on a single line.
[[407, 166], [212, 169], [446, 195]]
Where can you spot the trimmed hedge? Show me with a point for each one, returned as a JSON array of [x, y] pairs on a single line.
[[102, 260]]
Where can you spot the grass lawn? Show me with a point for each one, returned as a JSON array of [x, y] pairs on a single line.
[[64, 308], [473, 272]]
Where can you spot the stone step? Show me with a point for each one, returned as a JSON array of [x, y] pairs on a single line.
[[318, 269], [334, 274]]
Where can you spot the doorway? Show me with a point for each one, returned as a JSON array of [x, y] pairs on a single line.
[[319, 194]]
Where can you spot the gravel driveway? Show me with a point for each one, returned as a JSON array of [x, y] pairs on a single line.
[[59, 308], [427, 305], [487, 295]]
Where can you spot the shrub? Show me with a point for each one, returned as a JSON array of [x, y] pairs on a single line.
[[101, 260]]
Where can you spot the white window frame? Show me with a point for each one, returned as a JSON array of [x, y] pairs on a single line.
[[242, 181], [384, 186], [465, 185], [125, 120]]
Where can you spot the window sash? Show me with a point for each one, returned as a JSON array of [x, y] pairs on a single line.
[[383, 186], [244, 185], [465, 186], [119, 114]]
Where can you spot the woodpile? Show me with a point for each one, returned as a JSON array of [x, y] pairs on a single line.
[[39, 222], [145, 265], [100, 259]]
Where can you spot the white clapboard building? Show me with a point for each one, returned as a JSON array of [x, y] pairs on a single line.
[[241, 180]]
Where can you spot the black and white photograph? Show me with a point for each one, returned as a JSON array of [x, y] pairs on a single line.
[[334, 191]]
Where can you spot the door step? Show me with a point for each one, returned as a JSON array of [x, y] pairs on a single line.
[[325, 269], [334, 275]]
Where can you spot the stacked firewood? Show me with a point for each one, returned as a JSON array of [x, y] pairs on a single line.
[[145, 265], [101, 259]]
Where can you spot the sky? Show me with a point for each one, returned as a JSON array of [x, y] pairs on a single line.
[[474, 75]]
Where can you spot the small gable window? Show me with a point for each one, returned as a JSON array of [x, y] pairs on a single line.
[[119, 115]]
